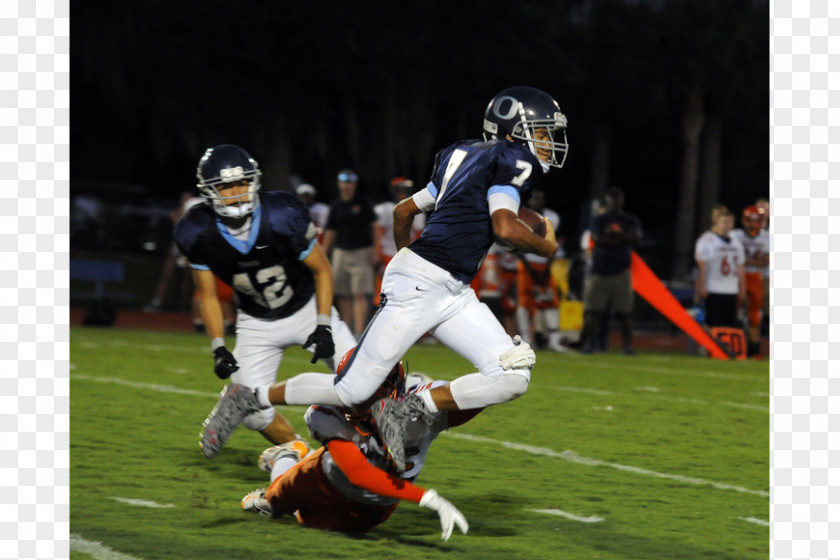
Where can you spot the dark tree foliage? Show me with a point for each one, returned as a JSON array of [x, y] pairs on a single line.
[[311, 87]]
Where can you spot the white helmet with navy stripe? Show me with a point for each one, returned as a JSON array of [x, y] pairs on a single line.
[[225, 165], [518, 112]]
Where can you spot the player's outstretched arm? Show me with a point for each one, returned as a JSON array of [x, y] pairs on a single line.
[[360, 472], [510, 229]]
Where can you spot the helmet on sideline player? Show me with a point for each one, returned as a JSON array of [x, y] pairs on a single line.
[[751, 219], [519, 111], [219, 168]]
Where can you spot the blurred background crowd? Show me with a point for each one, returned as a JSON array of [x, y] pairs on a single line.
[[666, 99]]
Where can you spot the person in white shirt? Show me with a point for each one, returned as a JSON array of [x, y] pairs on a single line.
[[318, 211], [400, 189], [756, 242], [537, 302], [720, 278]]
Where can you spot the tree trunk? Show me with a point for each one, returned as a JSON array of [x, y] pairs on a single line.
[[693, 120], [277, 162], [710, 174], [600, 162]]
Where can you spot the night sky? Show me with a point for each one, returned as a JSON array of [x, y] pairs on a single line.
[[309, 88]]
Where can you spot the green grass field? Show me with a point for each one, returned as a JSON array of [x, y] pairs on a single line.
[[657, 456]]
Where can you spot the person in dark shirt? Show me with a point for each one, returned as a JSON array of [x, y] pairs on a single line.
[[349, 240], [614, 233]]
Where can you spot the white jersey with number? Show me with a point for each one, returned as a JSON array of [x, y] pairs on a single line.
[[722, 257], [754, 248], [319, 212]]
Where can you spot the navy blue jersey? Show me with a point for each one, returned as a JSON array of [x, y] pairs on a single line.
[[459, 231], [266, 270]]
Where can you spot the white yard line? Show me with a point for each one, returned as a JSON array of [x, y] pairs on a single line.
[[97, 550], [160, 388], [136, 385], [755, 520], [652, 393], [573, 457], [174, 348], [676, 372], [144, 503], [567, 515]]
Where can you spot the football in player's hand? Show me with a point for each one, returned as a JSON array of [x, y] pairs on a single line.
[[533, 220]]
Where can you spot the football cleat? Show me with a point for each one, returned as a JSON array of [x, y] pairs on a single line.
[[392, 417], [255, 501], [298, 449], [235, 403]]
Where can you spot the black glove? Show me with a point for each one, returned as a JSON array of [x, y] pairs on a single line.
[[321, 337], [225, 362]]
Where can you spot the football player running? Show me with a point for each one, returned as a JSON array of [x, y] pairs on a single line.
[[350, 484], [473, 197], [264, 246]]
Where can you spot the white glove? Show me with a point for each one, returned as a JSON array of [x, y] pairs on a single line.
[[521, 356], [449, 514]]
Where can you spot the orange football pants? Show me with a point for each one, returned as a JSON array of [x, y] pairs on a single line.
[[755, 297], [304, 488], [527, 286]]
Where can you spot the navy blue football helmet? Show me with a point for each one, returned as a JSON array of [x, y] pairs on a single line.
[[228, 164], [518, 112]]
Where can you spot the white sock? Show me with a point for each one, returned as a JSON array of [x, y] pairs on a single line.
[[262, 396], [426, 395], [281, 466], [523, 323], [552, 325], [312, 388]]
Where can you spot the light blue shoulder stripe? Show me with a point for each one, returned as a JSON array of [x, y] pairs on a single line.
[[506, 189], [305, 253], [432, 189]]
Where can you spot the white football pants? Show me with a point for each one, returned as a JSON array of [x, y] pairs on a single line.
[[421, 297], [260, 344]]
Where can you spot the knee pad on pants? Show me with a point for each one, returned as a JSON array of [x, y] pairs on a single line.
[[478, 391], [259, 420]]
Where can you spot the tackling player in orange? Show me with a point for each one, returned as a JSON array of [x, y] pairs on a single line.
[[350, 484]]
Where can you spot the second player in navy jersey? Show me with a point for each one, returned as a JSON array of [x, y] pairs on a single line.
[[473, 197], [266, 268], [265, 247]]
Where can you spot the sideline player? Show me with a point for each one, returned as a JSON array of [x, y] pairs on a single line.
[[537, 300], [474, 195], [400, 188], [720, 276], [756, 242], [350, 484], [264, 247]]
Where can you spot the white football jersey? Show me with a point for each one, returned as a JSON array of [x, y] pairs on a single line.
[[319, 212], [385, 219], [722, 258], [754, 248]]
